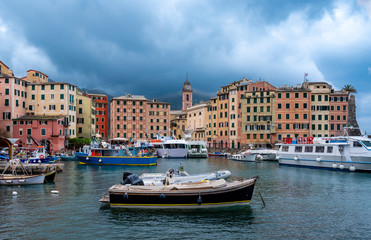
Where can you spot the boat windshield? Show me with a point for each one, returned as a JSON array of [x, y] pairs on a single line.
[[366, 143]]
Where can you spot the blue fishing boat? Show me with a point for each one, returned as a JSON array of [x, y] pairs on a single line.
[[39, 155], [117, 156]]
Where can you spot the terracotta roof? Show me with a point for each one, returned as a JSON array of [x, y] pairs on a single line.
[[37, 72], [40, 117], [4, 64]]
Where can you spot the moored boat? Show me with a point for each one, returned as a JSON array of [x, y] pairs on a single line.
[[39, 155], [255, 154], [169, 146], [218, 154], [197, 149], [218, 193], [183, 177], [14, 178], [116, 156], [347, 153]]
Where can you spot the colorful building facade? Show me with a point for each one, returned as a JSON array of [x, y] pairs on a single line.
[[45, 130], [53, 98], [292, 112], [85, 114], [101, 114], [13, 97], [135, 117]]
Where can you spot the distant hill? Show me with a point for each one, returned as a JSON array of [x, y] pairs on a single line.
[[97, 91], [174, 100]]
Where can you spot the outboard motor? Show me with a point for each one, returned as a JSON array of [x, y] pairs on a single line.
[[130, 178], [125, 175]]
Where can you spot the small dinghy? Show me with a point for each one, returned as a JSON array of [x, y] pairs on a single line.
[[181, 176]]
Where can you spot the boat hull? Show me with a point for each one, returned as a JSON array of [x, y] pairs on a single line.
[[118, 160], [172, 153], [197, 155], [244, 158], [331, 162], [39, 160], [22, 180], [239, 194]]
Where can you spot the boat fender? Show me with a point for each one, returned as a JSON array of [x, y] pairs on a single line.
[[259, 157], [341, 166], [87, 158], [278, 157], [14, 193], [296, 158], [55, 191], [162, 195], [334, 165], [318, 159], [99, 160], [352, 168], [199, 200], [126, 196]]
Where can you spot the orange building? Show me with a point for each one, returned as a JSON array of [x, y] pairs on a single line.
[[101, 114], [135, 117], [292, 112]]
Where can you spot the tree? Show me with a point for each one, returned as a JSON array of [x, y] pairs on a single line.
[[349, 88], [76, 143]]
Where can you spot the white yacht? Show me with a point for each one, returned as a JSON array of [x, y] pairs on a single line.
[[342, 153], [170, 147], [197, 149]]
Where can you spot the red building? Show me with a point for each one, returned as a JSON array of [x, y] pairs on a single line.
[[49, 131], [101, 114]]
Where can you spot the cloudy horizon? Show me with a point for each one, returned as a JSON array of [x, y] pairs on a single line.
[[147, 47]]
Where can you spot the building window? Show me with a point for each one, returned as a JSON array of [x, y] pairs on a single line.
[[43, 132]]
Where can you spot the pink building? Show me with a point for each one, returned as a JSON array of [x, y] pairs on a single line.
[[13, 95], [49, 131]]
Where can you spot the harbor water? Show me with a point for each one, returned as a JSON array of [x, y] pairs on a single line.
[[301, 203]]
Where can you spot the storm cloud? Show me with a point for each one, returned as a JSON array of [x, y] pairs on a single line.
[[147, 47]]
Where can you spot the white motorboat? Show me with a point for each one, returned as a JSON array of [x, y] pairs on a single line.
[[182, 177], [170, 147], [252, 155], [197, 149], [342, 153]]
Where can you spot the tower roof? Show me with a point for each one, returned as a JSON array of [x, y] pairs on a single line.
[[187, 82]]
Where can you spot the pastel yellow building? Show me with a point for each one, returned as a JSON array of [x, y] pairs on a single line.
[[320, 108], [85, 113], [178, 123], [196, 121], [34, 76], [53, 98]]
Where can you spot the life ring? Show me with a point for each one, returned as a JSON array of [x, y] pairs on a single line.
[[310, 140], [41, 156], [300, 139]]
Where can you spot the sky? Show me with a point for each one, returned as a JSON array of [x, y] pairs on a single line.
[[147, 47]]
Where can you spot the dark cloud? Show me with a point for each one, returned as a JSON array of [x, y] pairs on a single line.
[[147, 47]]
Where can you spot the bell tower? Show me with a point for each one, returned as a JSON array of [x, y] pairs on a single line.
[[186, 95]]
